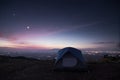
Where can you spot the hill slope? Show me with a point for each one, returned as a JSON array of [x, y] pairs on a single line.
[[20, 68]]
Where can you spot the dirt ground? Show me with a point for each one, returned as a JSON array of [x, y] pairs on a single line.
[[30, 69]]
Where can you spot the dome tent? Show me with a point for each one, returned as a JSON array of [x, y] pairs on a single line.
[[70, 59]]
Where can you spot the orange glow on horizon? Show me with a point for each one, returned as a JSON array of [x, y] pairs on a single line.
[[16, 45], [41, 44]]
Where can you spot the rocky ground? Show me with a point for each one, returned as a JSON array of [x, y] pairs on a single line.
[[21, 68]]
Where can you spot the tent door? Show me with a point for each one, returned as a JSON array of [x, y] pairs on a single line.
[[69, 61]]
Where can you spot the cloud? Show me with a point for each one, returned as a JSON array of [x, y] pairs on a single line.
[[61, 29], [22, 42], [7, 38], [1, 35], [74, 27], [111, 42], [10, 38]]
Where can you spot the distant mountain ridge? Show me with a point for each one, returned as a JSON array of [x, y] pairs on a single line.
[[9, 49]]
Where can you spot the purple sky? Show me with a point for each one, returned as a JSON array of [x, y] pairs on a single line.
[[59, 23]]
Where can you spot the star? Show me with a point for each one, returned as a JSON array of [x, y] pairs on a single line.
[[28, 27]]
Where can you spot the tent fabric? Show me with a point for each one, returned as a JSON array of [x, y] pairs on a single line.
[[77, 53], [70, 58]]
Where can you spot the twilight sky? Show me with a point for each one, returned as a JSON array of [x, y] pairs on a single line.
[[43, 24]]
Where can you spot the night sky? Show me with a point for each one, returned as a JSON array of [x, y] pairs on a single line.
[[48, 24]]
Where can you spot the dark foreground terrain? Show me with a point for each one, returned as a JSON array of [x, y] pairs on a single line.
[[20, 68]]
